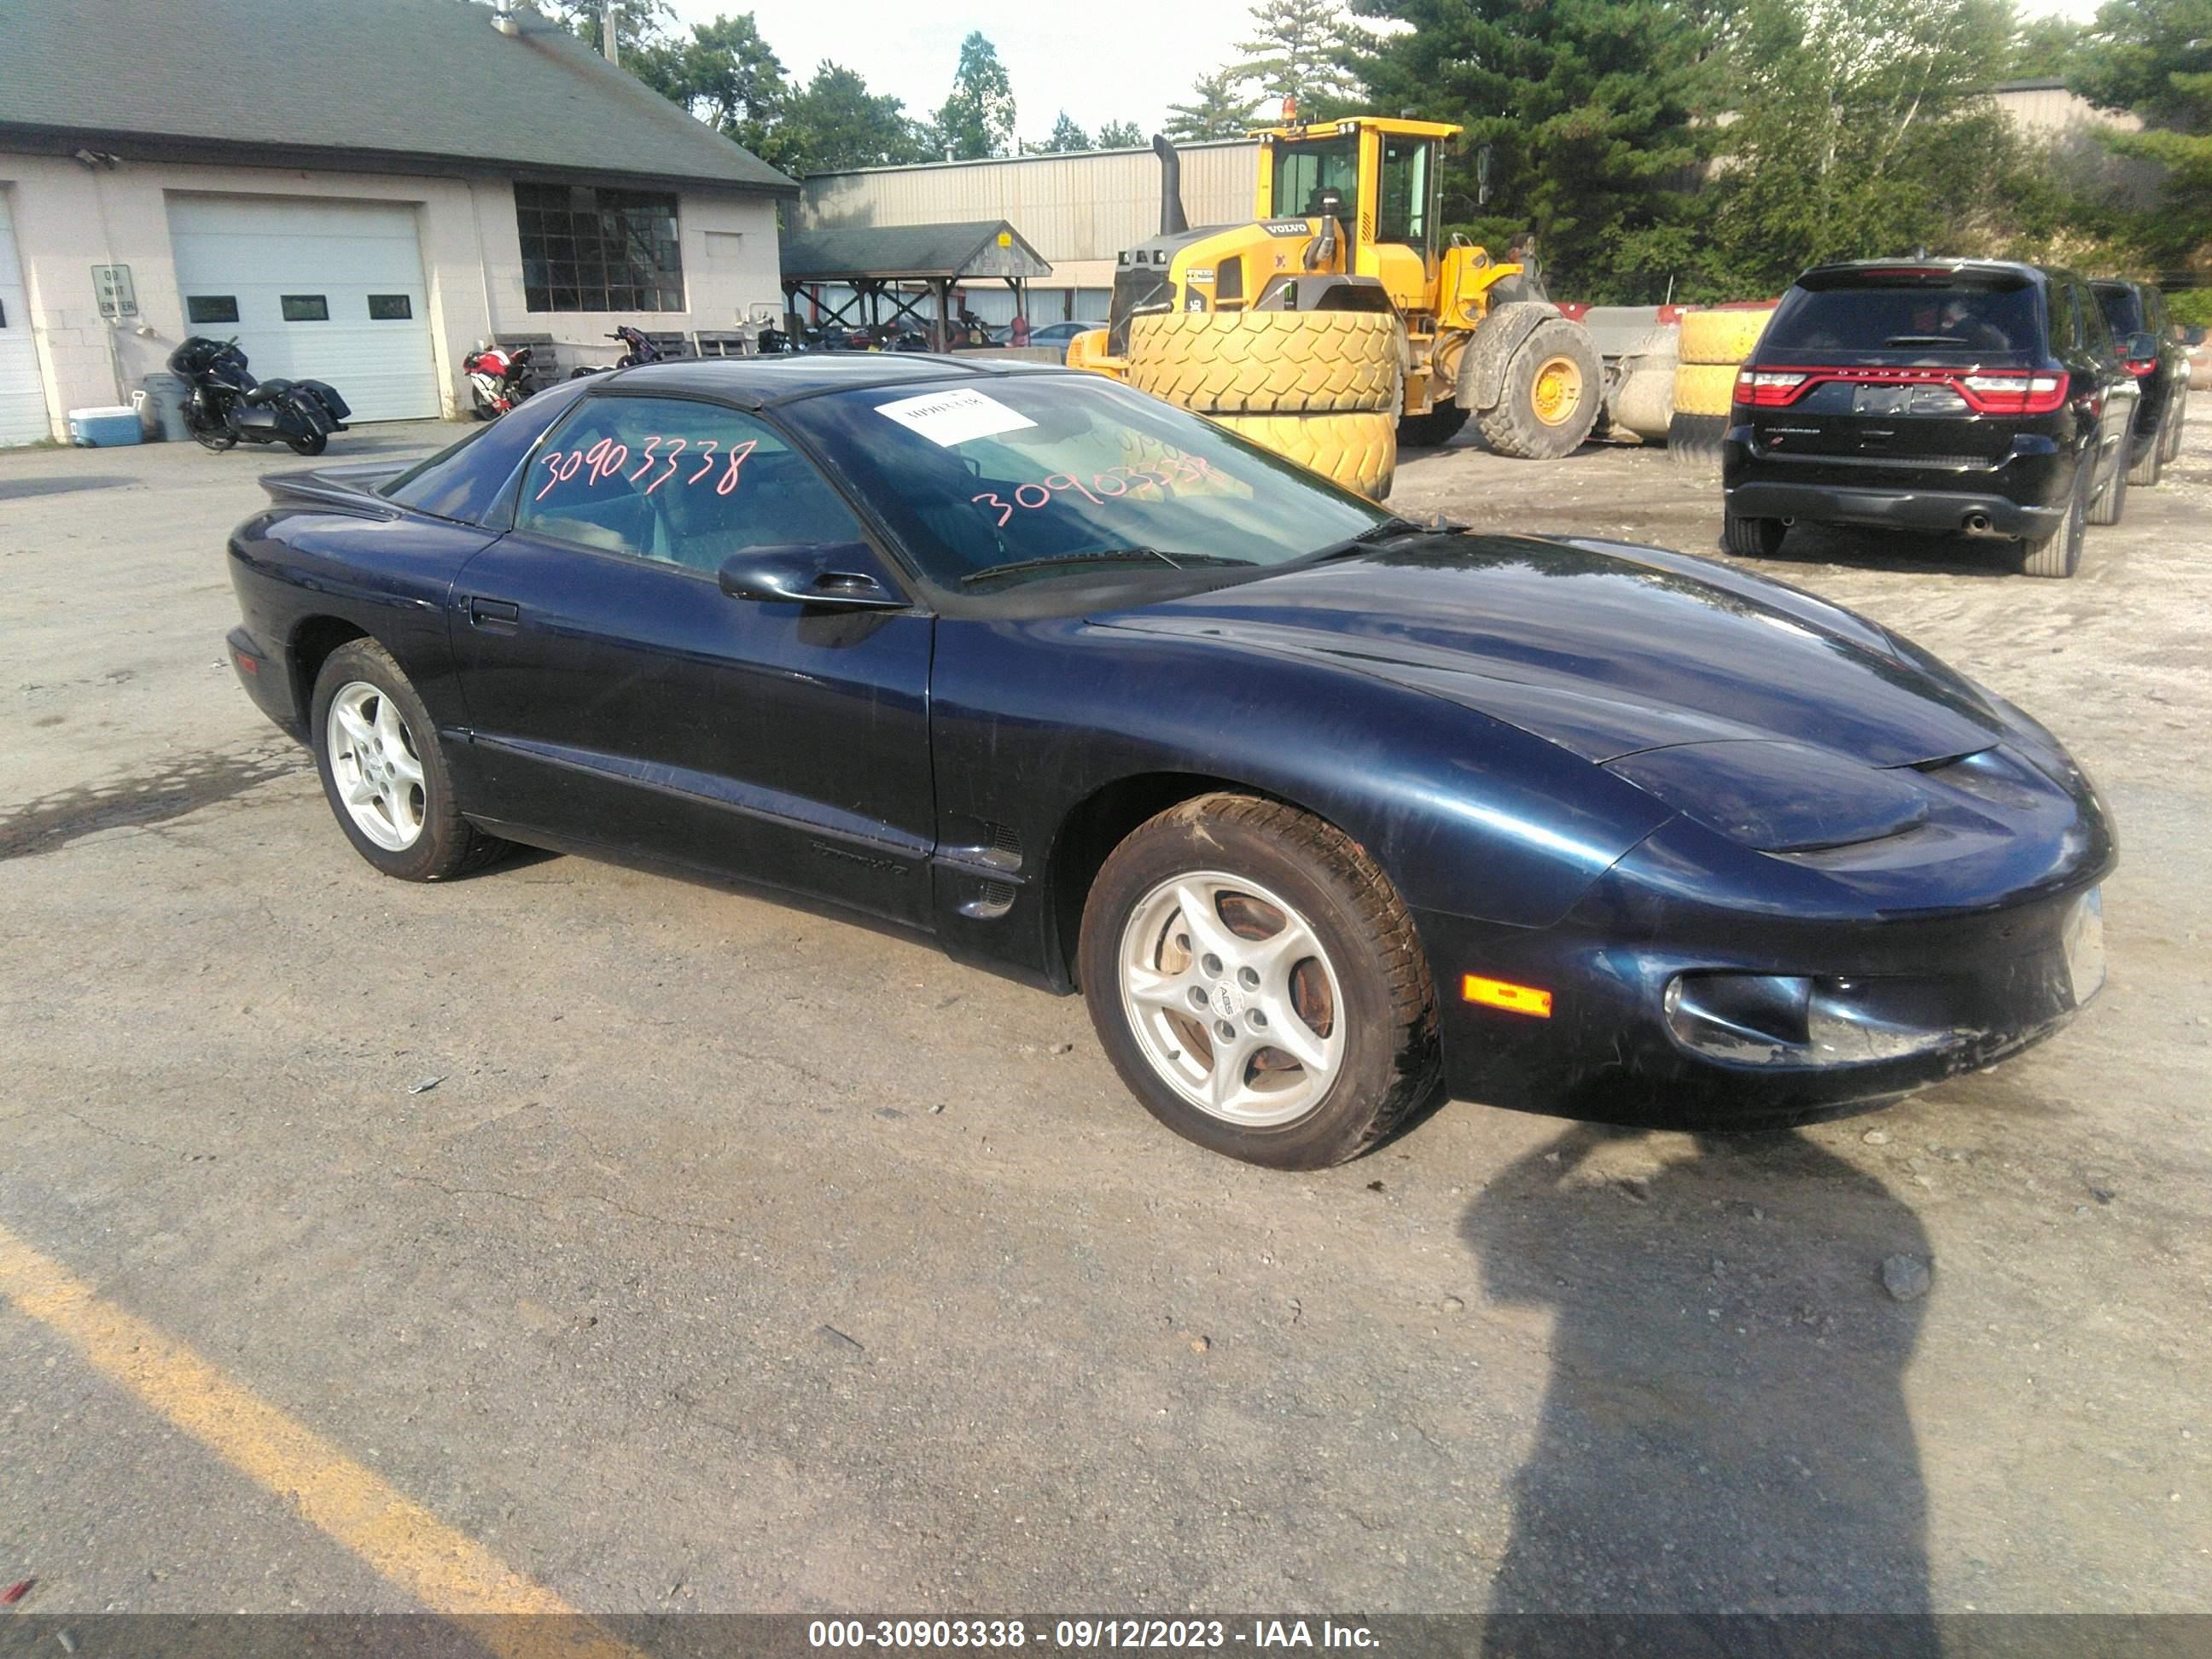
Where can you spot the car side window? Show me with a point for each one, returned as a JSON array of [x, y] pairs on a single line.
[[680, 482], [2094, 334]]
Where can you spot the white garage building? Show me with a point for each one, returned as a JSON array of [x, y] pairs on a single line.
[[359, 190]]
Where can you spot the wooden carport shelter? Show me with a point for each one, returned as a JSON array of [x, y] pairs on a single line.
[[877, 261]]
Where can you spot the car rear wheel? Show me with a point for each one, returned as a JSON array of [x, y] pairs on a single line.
[[384, 773], [2146, 471], [2175, 417], [2060, 554], [2108, 506], [1752, 538], [1257, 983]]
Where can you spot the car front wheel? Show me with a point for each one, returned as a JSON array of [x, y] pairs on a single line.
[[1257, 983], [384, 773]]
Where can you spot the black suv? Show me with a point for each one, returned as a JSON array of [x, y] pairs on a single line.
[[2135, 313], [1945, 395]]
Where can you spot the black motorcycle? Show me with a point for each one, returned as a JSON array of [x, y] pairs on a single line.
[[227, 405], [636, 349]]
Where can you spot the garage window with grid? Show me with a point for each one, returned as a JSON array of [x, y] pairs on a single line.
[[587, 249]]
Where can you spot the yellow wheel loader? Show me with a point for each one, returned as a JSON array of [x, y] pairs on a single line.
[[1337, 306]]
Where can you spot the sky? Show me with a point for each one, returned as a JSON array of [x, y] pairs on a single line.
[[1125, 60]]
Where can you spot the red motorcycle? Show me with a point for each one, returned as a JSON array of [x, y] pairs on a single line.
[[498, 379]]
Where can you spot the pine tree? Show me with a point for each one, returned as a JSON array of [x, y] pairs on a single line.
[[1300, 49], [978, 120], [1121, 135], [1588, 109], [1065, 136], [1222, 108], [2155, 56], [836, 122]]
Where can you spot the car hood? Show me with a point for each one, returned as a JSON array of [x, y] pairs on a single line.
[[1605, 649]]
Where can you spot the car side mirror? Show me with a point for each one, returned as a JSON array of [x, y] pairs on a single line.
[[2139, 346], [827, 577]]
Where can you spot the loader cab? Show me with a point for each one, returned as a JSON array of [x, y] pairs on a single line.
[[1383, 173]]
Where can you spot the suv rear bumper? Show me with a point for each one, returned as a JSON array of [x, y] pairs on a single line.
[[1985, 512]]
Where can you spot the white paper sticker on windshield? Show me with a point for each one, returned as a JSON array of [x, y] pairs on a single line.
[[954, 417]]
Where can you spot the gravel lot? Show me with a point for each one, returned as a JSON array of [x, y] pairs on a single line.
[[745, 1260]]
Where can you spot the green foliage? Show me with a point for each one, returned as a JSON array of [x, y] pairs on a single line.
[[836, 122], [1860, 131], [1590, 108], [2191, 306], [2155, 57], [977, 119], [1220, 107], [2043, 45], [1302, 50], [1122, 134], [726, 75], [1065, 136]]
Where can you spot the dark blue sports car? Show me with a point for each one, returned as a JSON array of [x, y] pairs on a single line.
[[1323, 812]]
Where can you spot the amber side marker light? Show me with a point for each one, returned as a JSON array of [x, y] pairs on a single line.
[[1504, 994]]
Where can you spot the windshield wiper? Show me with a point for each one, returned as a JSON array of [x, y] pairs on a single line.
[[1925, 339], [1389, 530], [1102, 555]]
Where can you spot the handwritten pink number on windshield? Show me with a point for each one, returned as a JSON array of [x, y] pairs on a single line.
[[728, 480], [682, 444], [713, 444]]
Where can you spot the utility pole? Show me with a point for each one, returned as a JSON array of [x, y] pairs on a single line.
[[608, 45]]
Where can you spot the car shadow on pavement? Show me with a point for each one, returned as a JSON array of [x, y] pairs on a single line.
[[1898, 550], [1724, 1429], [17, 489]]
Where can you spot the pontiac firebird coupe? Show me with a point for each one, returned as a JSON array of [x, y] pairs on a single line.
[[1321, 810]]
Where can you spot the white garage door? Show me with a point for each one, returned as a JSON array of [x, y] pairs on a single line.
[[22, 398], [321, 290]]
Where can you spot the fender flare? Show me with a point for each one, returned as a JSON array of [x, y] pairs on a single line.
[[1496, 337]]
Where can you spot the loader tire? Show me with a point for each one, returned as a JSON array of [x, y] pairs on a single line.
[[1721, 337], [1704, 389], [1549, 399], [1694, 441], [1268, 362], [1643, 399], [1358, 451]]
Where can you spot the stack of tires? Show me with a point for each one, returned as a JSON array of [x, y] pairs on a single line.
[[1713, 343], [1319, 387]]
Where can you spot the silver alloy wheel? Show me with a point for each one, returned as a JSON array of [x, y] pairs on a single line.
[[1233, 999], [376, 765]]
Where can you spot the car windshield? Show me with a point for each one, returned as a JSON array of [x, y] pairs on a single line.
[[1026, 478], [1913, 315]]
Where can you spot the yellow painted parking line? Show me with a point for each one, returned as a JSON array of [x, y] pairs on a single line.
[[444, 1569]]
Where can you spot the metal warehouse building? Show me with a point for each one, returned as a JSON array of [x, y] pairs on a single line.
[[1077, 210], [358, 192]]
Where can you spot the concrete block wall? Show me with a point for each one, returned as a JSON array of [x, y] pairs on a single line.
[[69, 217]]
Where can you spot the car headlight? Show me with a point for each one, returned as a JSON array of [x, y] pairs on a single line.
[[1777, 797]]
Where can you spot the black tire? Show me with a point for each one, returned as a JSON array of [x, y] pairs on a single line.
[[449, 844], [2109, 506], [2176, 412], [2059, 554], [2145, 472], [1390, 1068], [215, 438], [1433, 430], [1752, 538], [1693, 441], [314, 444], [1518, 424]]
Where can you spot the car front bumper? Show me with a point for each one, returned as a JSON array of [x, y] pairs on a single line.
[[1955, 992]]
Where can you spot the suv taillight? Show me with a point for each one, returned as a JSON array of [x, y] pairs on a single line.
[[2140, 367], [2013, 391], [1768, 388]]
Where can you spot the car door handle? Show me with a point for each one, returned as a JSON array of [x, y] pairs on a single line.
[[493, 616]]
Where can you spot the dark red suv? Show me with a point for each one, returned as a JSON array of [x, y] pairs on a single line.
[[1961, 395]]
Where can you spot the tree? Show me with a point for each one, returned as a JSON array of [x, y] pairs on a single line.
[[1590, 110], [2155, 57], [1222, 108], [1121, 135], [1065, 136], [640, 25], [727, 76], [2043, 45], [1860, 131], [1300, 49], [836, 122], [978, 120]]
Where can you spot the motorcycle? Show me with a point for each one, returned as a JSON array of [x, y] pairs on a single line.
[[227, 405], [499, 379], [638, 350]]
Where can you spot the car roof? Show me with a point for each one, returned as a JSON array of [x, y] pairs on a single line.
[[759, 382]]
